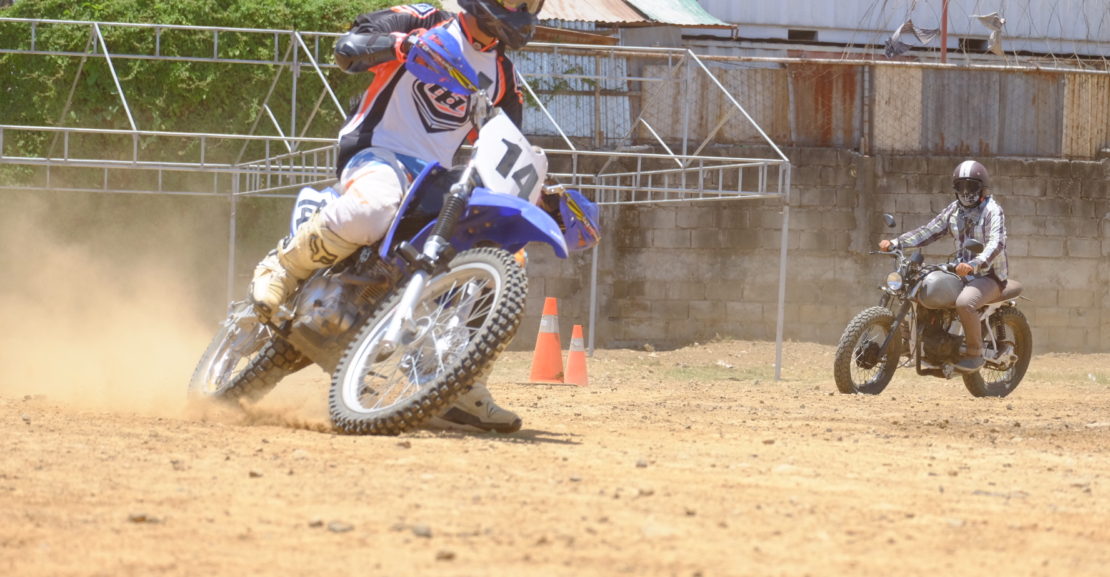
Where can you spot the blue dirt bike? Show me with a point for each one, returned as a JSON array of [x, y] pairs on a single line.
[[406, 325]]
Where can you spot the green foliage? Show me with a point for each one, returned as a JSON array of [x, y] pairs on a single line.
[[167, 95], [310, 15]]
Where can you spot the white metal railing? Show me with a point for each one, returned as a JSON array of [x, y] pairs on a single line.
[[648, 142]]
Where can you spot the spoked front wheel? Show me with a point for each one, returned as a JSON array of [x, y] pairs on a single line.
[[1013, 346], [859, 365], [463, 320]]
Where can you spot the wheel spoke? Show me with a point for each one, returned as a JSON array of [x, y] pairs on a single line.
[[446, 320], [1003, 335]]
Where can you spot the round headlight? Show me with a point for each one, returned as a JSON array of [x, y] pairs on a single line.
[[894, 281]]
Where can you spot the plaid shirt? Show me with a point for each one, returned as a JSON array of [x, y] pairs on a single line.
[[985, 223]]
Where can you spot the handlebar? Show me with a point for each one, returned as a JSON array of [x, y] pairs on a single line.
[[893, 252]]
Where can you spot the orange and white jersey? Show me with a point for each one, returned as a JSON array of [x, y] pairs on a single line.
[[402, 114]]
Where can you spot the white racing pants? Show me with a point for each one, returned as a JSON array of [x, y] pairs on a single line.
[[371, 188]]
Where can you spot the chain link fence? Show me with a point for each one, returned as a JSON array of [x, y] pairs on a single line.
[[642, 125]]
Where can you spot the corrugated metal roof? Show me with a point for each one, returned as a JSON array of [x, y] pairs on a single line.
[[605, 11], [627, 12], [678, 13]]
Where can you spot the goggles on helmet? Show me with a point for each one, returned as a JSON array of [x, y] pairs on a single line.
[[968, 186], [968, 191]]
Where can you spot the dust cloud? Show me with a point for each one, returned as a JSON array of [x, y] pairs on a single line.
[[103, 324]]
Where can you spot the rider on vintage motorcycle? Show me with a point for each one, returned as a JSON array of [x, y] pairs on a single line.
[[398, 127], [975, 214]]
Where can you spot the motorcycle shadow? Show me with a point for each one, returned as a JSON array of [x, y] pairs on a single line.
[[523, 436], [244, 414]]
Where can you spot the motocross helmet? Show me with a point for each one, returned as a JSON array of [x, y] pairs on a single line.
[[972, 183], [511, 22]]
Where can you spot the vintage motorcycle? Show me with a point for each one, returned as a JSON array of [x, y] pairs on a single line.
[[916, 319], [405, 326]]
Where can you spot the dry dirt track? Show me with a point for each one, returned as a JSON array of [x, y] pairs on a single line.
[[689, 462]]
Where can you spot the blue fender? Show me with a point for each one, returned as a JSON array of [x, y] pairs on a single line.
[[506, 221]]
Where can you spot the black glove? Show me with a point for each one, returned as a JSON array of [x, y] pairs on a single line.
[[360, 52]]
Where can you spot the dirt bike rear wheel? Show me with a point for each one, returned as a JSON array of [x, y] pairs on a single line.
[[464, 319], [244, 360], [857, 367], [1010, 329]]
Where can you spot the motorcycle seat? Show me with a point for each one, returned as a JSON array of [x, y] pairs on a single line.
[[1012, 290]]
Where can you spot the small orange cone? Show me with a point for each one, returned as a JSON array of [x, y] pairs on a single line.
[[547, 362], [576, 359]]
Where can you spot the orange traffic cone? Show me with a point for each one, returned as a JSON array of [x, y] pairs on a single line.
[[576, 359], [547, 362]]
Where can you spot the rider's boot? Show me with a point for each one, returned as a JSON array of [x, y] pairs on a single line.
[[314, 246], [476, 411], [971, 361]]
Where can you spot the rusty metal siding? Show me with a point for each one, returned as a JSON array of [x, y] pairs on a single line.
[[959, 112], [1031, 114], [764, 92], [827, 103], [897, 108], [880, 107], [991, 112], [1087, 114], [701, 111]]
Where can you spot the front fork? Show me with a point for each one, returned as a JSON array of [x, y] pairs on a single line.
[[437, 250], [893, 333]]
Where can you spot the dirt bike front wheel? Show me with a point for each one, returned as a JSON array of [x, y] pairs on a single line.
[[463, 320], [859, 366], [1013, 340], [244, 360]]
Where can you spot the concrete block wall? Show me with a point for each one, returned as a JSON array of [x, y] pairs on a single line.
[[670, 275]]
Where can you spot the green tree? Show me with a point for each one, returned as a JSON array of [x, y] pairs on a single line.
[[164, 94]]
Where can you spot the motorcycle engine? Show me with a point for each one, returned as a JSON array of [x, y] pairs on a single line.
[[321, 308], [333, 302], [938, 345]]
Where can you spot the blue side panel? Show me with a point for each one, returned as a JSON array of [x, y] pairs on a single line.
[[410, 197]]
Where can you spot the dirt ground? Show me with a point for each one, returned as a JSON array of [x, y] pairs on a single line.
[[693, 462]]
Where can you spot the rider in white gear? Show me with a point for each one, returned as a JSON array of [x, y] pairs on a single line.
[[400, 125]]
